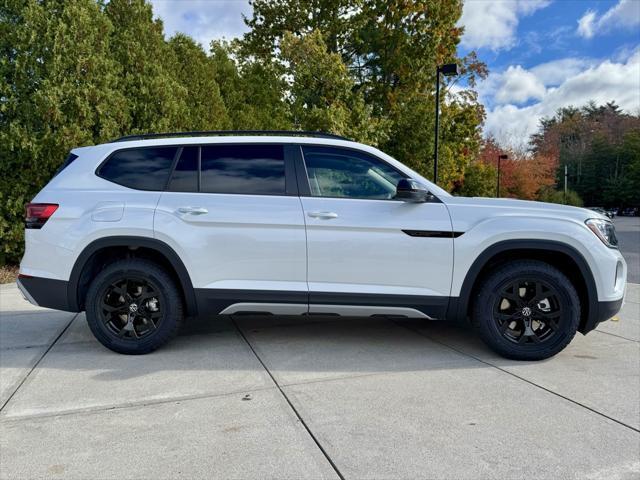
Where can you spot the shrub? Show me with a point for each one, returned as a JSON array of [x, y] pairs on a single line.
[[557, 196]]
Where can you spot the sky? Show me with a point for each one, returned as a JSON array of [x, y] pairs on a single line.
[[541, 54]]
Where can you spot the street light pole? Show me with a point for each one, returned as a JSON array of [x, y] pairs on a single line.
[[447, 70], [502, 156], [565, 184], [435, 147]]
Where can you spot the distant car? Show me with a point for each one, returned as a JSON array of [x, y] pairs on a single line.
[[628, 212], [613, 212], [602, 211]]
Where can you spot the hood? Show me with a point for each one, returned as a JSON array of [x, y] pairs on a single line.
[[508, 206]]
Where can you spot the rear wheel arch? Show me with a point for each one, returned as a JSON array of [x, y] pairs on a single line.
[[560, 255], [109, 249]]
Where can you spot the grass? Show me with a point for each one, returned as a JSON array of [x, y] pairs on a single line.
[[8, 273]]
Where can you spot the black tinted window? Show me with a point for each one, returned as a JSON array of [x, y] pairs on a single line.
[[68, 161], [185, 176], [140, 168], [344, 173], [248, 169]]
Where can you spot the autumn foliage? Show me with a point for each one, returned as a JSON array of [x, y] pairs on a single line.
[[522, 175]]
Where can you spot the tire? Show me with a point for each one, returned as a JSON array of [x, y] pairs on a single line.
[[527, 310], [156, 317]]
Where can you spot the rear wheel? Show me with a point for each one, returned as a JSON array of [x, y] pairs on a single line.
[[527, 310], [134, 307]]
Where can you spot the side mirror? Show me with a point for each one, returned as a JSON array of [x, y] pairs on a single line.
[[411, 191]]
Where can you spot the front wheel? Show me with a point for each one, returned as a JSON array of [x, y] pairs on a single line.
[[527, 310], [134, 307]]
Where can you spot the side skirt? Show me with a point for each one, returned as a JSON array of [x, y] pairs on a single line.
[[217, 301]]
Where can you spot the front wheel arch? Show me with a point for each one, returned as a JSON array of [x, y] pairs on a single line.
[[560, 255]]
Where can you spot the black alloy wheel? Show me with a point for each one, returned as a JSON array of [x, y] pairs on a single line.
[[131, 308], [134, 306], [526, 310]]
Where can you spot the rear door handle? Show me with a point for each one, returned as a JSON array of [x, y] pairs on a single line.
[[323, 215], [192, 210]]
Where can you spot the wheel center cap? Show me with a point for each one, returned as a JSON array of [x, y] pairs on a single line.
[[133, 308], [526, 312]]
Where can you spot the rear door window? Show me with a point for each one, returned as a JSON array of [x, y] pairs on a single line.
[[185, 175], [251, 169], [140, 168]]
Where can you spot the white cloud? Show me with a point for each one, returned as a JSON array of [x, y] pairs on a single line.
[[203, 20], [603, 82], [493, 23], [625, 14], [557, 71], [586, 24], [519, 85]]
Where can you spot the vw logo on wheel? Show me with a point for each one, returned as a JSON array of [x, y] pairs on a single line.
[[526, 311], [133, 308]]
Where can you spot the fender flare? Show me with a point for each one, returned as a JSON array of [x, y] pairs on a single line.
[[458, 306], [131, 241]]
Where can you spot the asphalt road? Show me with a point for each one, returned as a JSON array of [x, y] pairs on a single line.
[[276, 397], [628, 232]]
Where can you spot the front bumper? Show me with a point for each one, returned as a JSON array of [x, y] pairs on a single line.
[[45, 292], [601, 312]]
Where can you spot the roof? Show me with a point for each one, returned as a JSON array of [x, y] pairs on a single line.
[[208, 133]]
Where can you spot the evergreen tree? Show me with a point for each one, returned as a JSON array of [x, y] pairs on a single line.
[[196, 72], [253, 92], [59, 87], [156, 101]]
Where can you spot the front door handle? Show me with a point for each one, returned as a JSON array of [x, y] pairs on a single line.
[[192, 210], [323, 215]]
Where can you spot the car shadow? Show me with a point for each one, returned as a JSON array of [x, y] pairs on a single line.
[[305, 344]]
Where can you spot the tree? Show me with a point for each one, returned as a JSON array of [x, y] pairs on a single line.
[[59, 90], [196, 72], [596, 144], [321, 93], [253, 92], [522, 175], [156, 101], [390, 50], [272, 19], [479, 181], [550, 195]]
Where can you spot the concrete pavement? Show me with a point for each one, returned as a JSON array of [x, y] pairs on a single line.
[[271, 397]]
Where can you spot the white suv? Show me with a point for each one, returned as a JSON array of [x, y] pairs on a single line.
[[147, 230]]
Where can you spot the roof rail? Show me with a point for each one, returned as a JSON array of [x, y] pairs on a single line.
[[300, 133]]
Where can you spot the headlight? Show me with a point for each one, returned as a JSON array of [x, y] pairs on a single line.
[[604, 230]]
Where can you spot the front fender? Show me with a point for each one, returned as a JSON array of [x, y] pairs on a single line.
[[538, 233]]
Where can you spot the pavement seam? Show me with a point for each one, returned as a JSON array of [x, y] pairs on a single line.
[[335, 379], [35, 365], [293, 408], [616, 335], [23, 347], [127, 405], [575, 402]]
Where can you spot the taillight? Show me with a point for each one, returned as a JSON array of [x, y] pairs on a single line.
[[37, 214]]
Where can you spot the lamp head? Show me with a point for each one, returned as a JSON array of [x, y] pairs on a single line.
[[449, 69]]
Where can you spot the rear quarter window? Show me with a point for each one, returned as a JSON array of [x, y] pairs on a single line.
[[67, 161], [139, 168]]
